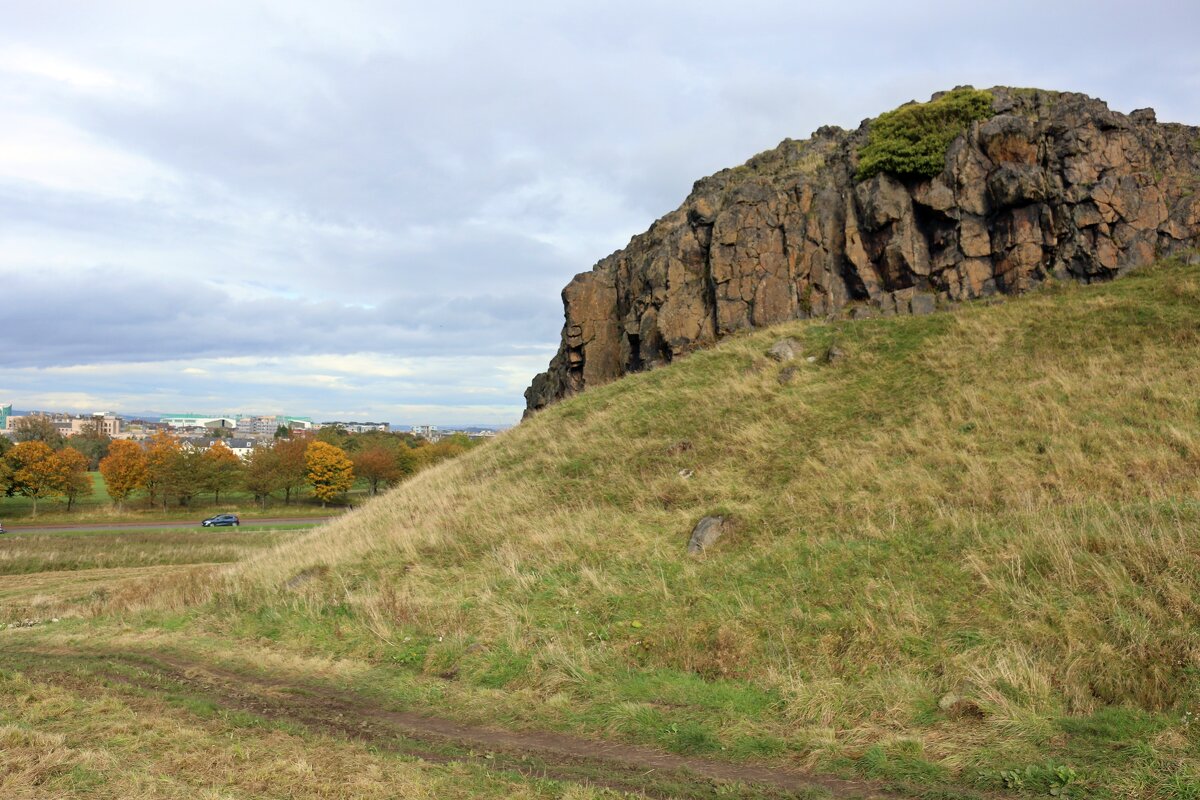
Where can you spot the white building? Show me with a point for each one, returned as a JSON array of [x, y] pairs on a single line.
[[426, 431], [198, 421]]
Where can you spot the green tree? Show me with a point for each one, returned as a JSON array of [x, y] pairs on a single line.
[[37, 428], [290, 465], [92, 442], [336, 436], [261, 475], [220, 470], [124, 470], [330, 471], [184, 476]]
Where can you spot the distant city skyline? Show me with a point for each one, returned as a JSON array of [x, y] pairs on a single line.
[[368, 210], [396, 425]]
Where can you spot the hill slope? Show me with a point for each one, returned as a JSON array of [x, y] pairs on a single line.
[[966, 543]]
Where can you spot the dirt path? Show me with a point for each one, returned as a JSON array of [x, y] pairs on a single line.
[[554, 755]]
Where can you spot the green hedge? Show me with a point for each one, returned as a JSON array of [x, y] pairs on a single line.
[[912, 140]]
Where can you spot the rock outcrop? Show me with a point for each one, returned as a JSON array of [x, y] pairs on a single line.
[[1051, 185]]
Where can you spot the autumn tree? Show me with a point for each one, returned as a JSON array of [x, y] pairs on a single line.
[[6, 470], [36, 471], [162, 456], [124, 470], [37, 428], [291, 465], [78, 483], [261, 474], [378, 465], [220, 469], [330, 471]]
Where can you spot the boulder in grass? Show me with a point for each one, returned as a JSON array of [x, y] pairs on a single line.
[[706, 533]]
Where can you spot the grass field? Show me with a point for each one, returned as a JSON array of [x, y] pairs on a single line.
[[98, 507], [963, 558]]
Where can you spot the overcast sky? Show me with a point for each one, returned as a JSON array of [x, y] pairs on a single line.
[[367, 210]]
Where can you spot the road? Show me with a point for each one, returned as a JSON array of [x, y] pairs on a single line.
[[172, 524]]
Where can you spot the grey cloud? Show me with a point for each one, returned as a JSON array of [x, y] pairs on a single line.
[[421, 180], [113, 317]]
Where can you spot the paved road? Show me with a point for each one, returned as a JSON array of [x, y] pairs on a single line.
[[179, 524]]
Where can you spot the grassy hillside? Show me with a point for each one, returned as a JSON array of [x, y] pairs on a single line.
[[964, 554]]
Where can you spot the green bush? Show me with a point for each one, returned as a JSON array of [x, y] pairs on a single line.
[[912, 140]]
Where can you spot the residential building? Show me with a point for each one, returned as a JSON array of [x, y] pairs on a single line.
[[103, 422], [66, 424], [241, 447], [140, 429], [264, 426]]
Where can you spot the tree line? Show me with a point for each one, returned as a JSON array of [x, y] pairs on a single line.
[[43, 464]]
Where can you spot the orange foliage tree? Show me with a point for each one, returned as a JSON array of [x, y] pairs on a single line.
[[330, 471], [163, 454], [124, 470], [77, 483], [380, 465], [36, 471]]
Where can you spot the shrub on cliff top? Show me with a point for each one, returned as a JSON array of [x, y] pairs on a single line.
[[912, 140]]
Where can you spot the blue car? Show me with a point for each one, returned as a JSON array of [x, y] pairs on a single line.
[[221, 519]]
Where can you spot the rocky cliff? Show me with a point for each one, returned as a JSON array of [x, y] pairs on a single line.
[[1039, 184]]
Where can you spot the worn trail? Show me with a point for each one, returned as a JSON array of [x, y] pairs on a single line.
[[553, 755]]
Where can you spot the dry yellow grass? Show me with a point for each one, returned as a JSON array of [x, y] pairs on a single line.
[[59, 741]]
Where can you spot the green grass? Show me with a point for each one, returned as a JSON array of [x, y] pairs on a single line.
[[111, 741], [98, 507], [32, 551]]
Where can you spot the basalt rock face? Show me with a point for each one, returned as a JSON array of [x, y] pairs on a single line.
[[1051, 185]]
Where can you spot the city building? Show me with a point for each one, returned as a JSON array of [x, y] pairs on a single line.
[[426, 432], [66, 424], [264, 426], [102, 421], [140, 429], [242, 448], [359, 427], [198, 421]]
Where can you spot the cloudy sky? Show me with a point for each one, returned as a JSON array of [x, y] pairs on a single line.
[[367, 210]]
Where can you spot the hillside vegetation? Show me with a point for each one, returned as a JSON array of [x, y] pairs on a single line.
[[912, 140], [963, 553]]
